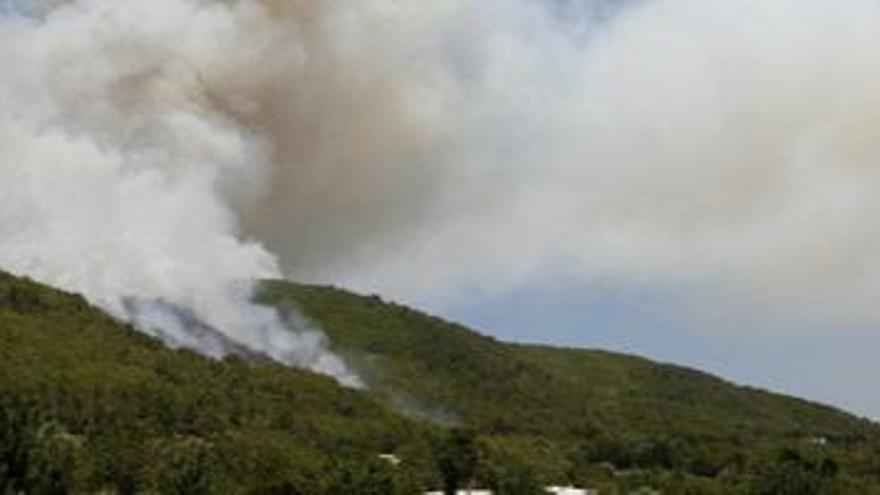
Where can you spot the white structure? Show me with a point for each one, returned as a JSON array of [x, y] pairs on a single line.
[[819, 441], [570, 490], [390, 459]]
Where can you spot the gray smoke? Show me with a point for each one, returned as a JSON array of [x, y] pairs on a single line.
[[175, 149], [725, 150], [122, 171]]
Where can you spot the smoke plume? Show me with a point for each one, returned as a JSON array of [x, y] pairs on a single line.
[[178, 150], [124, 162], [724, 150]]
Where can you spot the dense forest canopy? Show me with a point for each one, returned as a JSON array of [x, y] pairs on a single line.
[[88, 404]]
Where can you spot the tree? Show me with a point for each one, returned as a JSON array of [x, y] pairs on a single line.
[[790, 475], [457, 459]]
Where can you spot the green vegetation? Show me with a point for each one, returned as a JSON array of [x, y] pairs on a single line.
[[89, 405], [583, 416]]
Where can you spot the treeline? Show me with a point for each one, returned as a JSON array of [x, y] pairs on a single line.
[[88, 405], [589, 417]]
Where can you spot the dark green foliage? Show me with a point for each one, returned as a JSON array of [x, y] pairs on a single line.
[[443, 371], [457, 459], [373, 477], [89, 405], [794, 473], [517, 467], [586, 408]]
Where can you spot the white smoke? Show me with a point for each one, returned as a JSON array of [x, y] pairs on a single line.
[[119, 175], [445, 149], [727, 150]]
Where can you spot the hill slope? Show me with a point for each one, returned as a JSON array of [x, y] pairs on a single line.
[[87, 404], [600, 405], [524, 388]]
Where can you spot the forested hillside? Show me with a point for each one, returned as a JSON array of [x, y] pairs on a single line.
[[589, 407], [88, 405]]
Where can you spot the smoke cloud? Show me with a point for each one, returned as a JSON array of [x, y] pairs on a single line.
[[723, 150], [178, 150], [122, 171]]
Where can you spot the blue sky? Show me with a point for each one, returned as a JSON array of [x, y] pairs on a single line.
[[828, 366]]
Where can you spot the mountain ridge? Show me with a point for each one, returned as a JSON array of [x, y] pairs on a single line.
[[89, 404], [324, 303]]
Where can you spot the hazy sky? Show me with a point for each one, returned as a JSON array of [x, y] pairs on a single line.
[[693, 180], [834, 366]]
